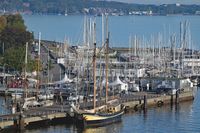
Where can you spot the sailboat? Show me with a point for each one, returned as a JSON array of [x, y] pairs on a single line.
[[48, 95], [66, 13], [28, 101], [33, 101], [106, 114]]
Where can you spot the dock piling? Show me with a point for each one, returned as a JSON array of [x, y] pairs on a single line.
[[177, 97], [172, 100], [19, 123], [145, 102]]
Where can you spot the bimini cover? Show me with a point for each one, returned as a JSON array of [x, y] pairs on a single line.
[[64, 80], [117, 82]]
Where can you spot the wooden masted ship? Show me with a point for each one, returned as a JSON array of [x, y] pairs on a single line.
[[110, 112]]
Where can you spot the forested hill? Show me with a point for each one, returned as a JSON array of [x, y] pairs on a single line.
[[92, 7]]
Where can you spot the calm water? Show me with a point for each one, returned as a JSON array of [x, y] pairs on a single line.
[[120, 27]]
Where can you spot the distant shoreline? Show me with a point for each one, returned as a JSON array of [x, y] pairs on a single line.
[[96, 7], [155, 15]]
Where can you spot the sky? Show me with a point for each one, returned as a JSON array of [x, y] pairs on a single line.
[[161, 1]]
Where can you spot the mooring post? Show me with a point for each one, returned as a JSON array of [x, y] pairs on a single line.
[[15, 123], [172, 99], [140, 101], [145, 102], [177, 97], [21, 124]]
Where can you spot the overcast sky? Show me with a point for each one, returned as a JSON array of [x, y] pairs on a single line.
[[160, 1]]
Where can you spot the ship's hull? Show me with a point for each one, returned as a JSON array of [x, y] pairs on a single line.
[[95, 120]]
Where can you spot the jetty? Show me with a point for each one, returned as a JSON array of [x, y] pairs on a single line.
[[134, 102], [22, 119]]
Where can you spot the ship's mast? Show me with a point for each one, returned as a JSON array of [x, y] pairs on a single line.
[[100, 70], [25, 78], [107, 46], [38, 64], [94, 65]]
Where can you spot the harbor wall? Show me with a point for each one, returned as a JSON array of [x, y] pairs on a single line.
[[143, 103], [159, 101]]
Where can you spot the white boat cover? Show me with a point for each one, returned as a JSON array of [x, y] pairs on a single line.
[[64, 80], [117, 82], [32, 80]]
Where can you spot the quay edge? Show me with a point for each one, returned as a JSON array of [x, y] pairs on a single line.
[[130, 105], [159, 101]]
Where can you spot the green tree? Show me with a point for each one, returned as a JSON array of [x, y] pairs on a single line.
[[16, 22], [33, 65], [13, 37], [14, 58], [3, 22], [13, 33]]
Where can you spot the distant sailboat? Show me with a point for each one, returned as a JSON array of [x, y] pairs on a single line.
[[66, 13], [28, 101]]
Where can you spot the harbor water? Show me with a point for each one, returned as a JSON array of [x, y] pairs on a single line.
[[56, 28]]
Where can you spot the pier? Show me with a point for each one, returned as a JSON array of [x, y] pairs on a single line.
[[135, 101], [22, 119]]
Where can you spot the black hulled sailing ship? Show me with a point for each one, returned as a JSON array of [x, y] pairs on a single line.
[[109, 113]]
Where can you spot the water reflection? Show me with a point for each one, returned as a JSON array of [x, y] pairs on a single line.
[[112, 128], [5, 105]]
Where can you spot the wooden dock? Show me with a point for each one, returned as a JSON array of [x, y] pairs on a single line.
[[22, 119], [147, 100], [135, 101]]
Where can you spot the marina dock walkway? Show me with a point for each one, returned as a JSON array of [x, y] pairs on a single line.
[[135, 101]]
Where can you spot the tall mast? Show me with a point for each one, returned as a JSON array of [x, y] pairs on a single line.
[[38, 64], [26, 61], [135, 46], [100, 69], [107, 46], [84, 31], [3, 50], [102, 29], [90, 32], [94, 65], [48, 66], [182, 47], [130, 53], [26, 56]]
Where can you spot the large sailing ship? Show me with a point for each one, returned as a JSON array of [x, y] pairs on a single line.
[[108, 113]]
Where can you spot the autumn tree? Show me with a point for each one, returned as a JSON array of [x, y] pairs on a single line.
[[13, 37]]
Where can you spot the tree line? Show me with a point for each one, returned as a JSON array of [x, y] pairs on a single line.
[[77, 6], [13, 38]]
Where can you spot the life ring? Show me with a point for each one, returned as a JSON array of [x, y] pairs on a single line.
[[160, 103]]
